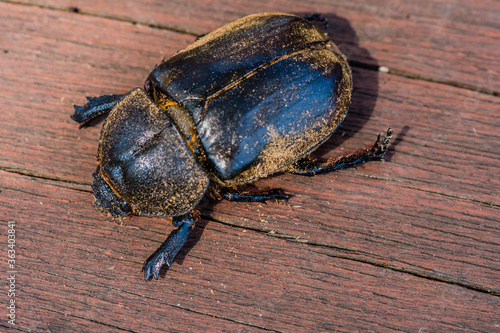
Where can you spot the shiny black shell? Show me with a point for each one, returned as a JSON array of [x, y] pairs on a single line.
[[260, 93], [240, 103]]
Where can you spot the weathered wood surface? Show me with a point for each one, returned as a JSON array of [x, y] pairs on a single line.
[[406, 245]]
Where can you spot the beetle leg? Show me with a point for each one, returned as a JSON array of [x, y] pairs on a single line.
[[200, 36], [95, 107], [262, 196], [309, 167], [318, 18], [166, 253]]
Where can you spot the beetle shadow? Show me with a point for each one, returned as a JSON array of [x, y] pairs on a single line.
[[395, 142], [364, 74]]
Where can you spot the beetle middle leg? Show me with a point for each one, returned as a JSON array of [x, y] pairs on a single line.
[[310, 167], [166, 253]]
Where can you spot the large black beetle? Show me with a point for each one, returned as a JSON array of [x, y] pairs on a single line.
[[253, 97]]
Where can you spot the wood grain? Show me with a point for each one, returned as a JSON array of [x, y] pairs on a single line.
[[236, 279], [436, 40], [405, 245]]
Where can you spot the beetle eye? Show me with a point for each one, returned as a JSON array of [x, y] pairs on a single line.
[[125, 207]]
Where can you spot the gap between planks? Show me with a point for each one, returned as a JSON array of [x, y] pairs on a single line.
[[84, 186]]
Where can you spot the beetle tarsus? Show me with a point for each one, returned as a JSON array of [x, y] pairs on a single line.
[[200, 36], [317, 17], [380, 146], [95, 107], [262, 196], [309, 167], [166, 253]]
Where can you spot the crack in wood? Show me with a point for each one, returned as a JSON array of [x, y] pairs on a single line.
[[435, 276], [89, 319], [456, 84], [298, 239], [420, 77], [449, 195], [81, 11], [56, 179], [440, 277], [430, 276], [11, 328]]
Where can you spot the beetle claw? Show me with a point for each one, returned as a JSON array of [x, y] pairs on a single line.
[[317, 17], [152, 268], [380, 146]]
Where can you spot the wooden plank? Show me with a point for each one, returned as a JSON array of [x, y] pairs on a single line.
[[421, 232], [86, 269], [431, 39]]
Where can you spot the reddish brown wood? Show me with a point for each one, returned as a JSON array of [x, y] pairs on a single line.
[[404, 245], [435, 39], [86, 267]]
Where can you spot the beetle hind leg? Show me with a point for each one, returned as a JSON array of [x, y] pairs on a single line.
[[310, 167], [257, 196], [95, 107], [318, 18], [166, 253]]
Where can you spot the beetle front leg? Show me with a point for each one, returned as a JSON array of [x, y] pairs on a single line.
[[95, 107], [166, 253], [309, 167]]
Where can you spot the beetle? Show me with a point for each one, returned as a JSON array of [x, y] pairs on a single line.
[[252, 98]]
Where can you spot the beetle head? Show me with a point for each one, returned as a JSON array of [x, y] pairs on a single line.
[[106, 199]]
